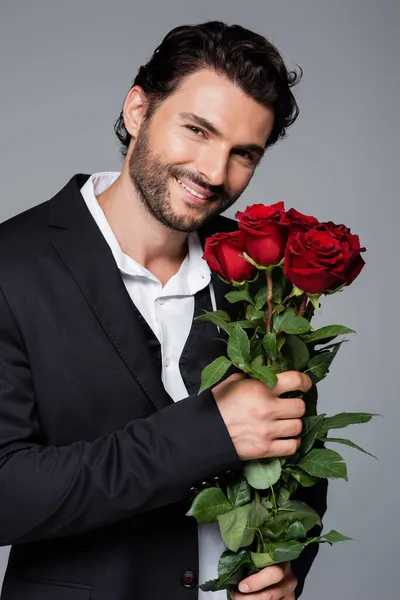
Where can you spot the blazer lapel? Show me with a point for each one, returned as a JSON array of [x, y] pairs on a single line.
[[85, 253]]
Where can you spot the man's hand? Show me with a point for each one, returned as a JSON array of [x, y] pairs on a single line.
[[272, 583], [259, 422]]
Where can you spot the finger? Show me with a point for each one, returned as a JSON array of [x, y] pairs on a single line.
[[289, 381], [289, 408], [269, 594], [287, 428], [264, 578], [280, 448]]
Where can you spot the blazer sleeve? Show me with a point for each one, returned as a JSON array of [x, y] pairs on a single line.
[[49, 491]]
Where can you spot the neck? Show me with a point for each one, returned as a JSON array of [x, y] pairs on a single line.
[[143, 238]]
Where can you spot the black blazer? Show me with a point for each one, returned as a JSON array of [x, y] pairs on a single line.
[[97, 463]]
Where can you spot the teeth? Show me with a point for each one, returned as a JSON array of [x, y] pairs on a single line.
[[191, 191]]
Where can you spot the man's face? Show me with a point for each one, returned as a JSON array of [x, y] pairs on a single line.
[[207, 136]]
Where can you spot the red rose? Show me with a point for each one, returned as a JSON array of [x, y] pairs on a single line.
[[223, 253], [317, 261], [299, 222], [266, 232], [339, 231]]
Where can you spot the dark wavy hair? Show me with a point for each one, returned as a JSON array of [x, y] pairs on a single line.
[[246, 58]]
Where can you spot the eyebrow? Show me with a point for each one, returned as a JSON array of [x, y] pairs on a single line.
[[203, 122]]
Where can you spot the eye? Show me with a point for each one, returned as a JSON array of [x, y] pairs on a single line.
[[196, 130], [245, 154]]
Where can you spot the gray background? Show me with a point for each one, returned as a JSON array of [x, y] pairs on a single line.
[[65, 68]]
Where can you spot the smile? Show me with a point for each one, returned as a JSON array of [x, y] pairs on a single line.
[[189, 189]]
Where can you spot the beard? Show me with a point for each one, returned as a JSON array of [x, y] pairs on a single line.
[[150, 177]]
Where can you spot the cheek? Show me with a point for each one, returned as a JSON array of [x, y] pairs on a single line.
[[239, 177], [176, 149]]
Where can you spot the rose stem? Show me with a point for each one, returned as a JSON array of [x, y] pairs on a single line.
[[269, 304]]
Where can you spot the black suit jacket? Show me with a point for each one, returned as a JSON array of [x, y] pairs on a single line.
[[96, 460]]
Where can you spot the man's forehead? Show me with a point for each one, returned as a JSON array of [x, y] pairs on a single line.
[[222, 104]]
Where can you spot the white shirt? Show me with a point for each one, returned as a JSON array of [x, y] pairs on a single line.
[[169, 312]]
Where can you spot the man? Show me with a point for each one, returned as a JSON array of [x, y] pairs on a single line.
[[103, 437]]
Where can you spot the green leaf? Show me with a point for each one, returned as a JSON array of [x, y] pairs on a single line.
[[208, 505], [321, 462], [213, 372], [274, 529], [230, 562], [347, 443], [256, 348], [239, 346], [257, 362], [266, 375], [222, 314], [294, 510], [320, 363], [286, 551], [239, 295], [330, 331], [267, 504], [262, 474], [279, 280], [283, 496], [254, 314], [277, 321], [239, 492], [269, 345], [296, 352], [303, 478], [262, 559], [280, 365], [280, 340], [296, 531], [239, 526], [210, 586], [260, 297], [294, 325], [248, 324], [343, 420], [217, 319], [334, 537], [292, 486], [311, 428]]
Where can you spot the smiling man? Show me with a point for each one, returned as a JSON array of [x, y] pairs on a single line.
[[103, 437]]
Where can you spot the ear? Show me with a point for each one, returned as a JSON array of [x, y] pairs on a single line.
[[135, 108]]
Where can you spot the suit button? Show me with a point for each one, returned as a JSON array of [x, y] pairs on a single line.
[[189, 580]]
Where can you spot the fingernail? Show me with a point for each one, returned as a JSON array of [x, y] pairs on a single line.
[[244, 588]]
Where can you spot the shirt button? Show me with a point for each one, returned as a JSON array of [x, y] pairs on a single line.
[[189, 580], [167, 362], [161, 301]]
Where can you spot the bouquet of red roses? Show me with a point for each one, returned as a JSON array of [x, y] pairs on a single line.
[[279, 263]]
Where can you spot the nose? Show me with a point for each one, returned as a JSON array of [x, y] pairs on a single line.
[[213, 165]]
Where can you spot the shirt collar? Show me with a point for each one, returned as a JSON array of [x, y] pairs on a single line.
[[194, 273]]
